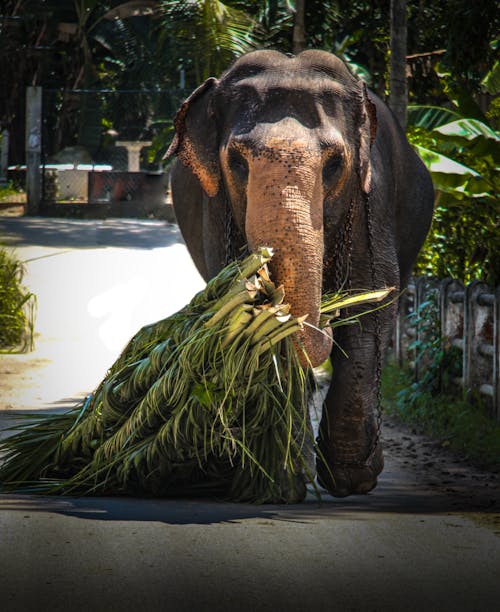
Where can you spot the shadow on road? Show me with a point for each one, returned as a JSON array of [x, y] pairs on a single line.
[[62, 233], [390, 498], [396, 493]]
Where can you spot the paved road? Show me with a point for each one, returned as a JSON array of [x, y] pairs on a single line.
[[97, 283], [408, 546]]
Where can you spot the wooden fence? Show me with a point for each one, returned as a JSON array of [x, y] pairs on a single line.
[[468, 318]]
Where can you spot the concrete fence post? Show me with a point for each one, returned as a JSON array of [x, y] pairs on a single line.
[[4, 156], [481, 346], [469, 319], [452, 309], [421, 295], [404, 331]]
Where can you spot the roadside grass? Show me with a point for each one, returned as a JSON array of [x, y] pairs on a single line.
[[6, 190], [462, 426], [17, 306]]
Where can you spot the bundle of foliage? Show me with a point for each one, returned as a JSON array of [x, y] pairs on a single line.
[[16, 306], [210, 400], [7, 189]]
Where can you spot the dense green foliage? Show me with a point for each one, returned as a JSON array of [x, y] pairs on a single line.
[[16, 306], [170, 46], [462, 153], [6, 190]]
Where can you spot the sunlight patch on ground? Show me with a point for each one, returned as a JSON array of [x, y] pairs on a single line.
[[90, 303]]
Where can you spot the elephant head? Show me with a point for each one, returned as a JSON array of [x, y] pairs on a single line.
[[286, 140]]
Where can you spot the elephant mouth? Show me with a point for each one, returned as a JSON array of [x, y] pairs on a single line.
[[314, 344]]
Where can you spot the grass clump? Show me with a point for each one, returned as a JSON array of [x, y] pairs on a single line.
[[16, 306], [461, 424], [7, 190]]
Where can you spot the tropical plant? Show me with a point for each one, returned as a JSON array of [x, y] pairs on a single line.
[[356, 31], [275, 20], [458, 424], [432, 401], [76, 44], [209, 34], [16, 306], [438, 362], [462, 152]]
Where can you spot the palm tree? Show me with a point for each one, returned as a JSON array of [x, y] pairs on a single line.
[[299, 30], [398, 96], [209, 33]]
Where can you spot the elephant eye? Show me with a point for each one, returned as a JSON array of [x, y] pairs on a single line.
[[331, 167], [238, 164]]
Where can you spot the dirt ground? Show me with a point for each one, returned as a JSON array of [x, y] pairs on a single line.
[[435, 468], [19, 376]]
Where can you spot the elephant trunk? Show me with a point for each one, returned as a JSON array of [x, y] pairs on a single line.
[[285, 211]]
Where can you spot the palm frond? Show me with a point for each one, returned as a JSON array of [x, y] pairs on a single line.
[[212, 399]]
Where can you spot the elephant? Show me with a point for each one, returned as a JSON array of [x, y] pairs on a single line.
[[294, 152]]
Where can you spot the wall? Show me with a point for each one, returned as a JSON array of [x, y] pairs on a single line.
[[467, 318]]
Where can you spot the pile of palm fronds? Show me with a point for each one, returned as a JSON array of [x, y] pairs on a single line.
[[16, 306], [210, 400]]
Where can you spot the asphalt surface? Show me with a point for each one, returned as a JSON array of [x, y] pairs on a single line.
[[406, 546]]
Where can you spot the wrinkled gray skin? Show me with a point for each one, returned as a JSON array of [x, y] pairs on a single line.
[[299, 152]]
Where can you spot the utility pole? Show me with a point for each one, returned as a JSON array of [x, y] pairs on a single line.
[[4, 157], [33, 149]]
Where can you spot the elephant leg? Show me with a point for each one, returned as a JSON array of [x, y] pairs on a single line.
[[350, 454]]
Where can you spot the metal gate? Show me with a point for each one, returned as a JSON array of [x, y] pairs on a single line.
[[99, 152]]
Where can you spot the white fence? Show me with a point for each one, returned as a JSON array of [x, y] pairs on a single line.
[[469, 318]]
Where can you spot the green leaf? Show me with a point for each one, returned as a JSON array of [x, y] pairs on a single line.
[[452, 177], [358, 70], [338, 301], [430, 117], [478, 137], [436, 162], [469, 129], [491, 81]]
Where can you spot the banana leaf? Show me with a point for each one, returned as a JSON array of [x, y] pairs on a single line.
[[450, 176], [430, 117]]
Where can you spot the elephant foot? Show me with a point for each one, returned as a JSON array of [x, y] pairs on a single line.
[[343, 480]]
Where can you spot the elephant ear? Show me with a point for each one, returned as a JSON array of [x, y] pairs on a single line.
[[368, 131], [195, 141]]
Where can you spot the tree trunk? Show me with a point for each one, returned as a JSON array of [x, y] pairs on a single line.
[[299, 29], [398, 96]]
